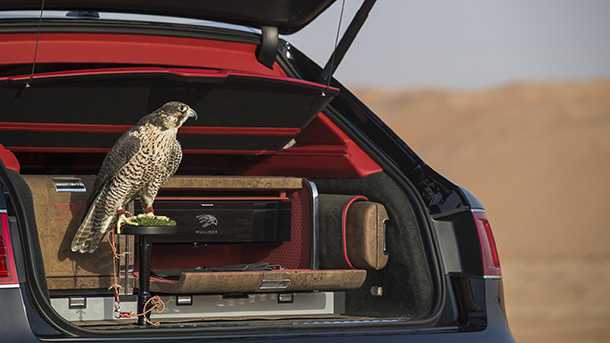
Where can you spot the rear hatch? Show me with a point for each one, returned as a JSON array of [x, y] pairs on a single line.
[[288, 16], [261, 139]]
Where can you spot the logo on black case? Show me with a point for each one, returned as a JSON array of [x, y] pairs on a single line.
[[209, 223]]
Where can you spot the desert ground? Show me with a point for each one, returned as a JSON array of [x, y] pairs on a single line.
[[538, 155]]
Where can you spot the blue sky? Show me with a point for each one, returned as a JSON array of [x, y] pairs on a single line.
[[468, 43]]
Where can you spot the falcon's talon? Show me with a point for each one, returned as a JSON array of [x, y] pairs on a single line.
[[119, 222], [131, 221], [123, 219], [154, 216], [145, 219]]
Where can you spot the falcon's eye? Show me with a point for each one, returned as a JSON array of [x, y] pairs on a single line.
[[183, 108]]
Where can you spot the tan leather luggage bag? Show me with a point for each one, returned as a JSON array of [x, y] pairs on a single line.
[[352, 232]]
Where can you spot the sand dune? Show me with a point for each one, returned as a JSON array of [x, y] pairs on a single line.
[[538, 155]]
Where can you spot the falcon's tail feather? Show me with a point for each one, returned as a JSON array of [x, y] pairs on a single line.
[[87, 238]]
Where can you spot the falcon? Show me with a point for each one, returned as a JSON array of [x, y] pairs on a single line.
[[138, 165]]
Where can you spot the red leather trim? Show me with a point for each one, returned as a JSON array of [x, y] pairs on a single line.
[[344, 227], [186, 198], [291, 80], [245, 131], [183, 72], [9, 159], [227, 152], [42, 149], [186, 72], [58, 149], [134, 49], [186, 130]]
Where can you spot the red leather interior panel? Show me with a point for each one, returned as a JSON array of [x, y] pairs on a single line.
[[322, 150], [133, 49], [335, 156]]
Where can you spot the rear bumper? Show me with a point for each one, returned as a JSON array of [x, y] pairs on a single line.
[[16, 327]]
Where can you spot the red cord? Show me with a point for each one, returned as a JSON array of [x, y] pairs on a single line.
[[344, 227]]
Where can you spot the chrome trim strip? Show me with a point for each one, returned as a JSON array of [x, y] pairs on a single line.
[[477, 210], [492, 277], [69, 184], [315, 233], [71, 190], [352, 321], [10, 285]]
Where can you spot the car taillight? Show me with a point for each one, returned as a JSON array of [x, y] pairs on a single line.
[[489, 251], [8, 273]]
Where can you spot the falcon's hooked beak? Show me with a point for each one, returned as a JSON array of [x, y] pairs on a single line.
[[191, 113]]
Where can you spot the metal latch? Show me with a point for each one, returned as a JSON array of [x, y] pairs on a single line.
[[184, 300], [69, 184], [76, 303], [285, 298]]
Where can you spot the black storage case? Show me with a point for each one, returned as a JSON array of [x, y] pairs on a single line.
[[227, 221]]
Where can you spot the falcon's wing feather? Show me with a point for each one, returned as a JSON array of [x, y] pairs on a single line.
[[86, 237], [122, 151], [176, 158]]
